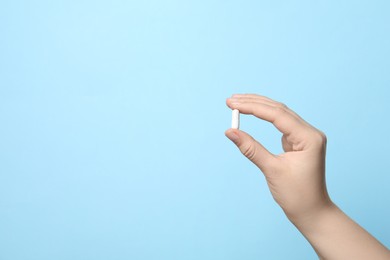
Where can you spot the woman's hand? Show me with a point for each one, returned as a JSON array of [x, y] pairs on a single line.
[[296, 178]]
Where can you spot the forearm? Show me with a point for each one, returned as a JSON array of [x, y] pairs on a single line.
[[334, 236]]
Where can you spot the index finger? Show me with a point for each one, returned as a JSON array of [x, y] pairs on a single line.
[[280, 116]]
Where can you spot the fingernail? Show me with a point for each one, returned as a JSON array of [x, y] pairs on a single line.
[[233, 137], [234, 101]]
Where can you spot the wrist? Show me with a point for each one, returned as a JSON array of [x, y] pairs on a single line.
[[313, 216], [334, 235]]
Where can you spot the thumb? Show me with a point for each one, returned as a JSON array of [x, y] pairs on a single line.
[[252, 149]]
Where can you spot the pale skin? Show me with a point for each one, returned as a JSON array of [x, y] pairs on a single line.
[[296, 179]]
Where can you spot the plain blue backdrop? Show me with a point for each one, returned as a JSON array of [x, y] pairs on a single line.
[[112, 120]]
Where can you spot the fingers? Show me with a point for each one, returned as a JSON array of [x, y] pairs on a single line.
[[252, 149], [253, 97], [264, 108], [262, 99]]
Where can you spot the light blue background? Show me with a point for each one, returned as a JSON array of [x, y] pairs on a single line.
[[113, 115]]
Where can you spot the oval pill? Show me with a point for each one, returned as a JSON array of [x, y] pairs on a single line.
[[236, 119]]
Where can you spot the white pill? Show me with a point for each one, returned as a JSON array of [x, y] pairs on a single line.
[[236, 119]]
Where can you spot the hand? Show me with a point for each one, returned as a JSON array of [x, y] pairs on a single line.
[[296, 178]]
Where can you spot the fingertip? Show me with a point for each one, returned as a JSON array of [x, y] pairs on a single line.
[[227, 101], [233, 135], [231, 130], [233, 103]]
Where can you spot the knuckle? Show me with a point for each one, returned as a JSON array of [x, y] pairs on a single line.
[[282, 106], [249, 151], [320, 137], [280, 109], [324, 138]]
